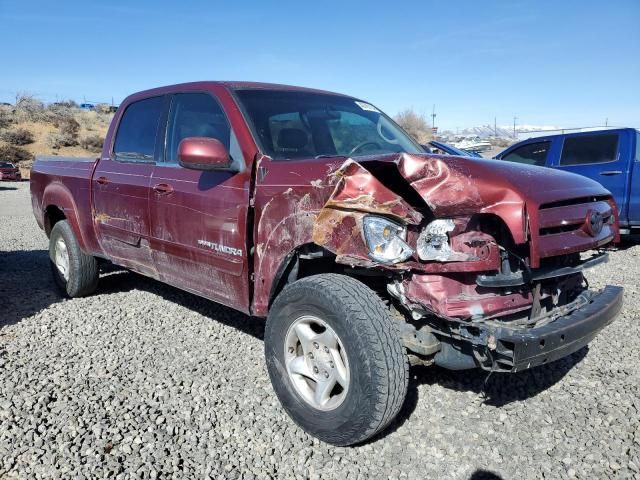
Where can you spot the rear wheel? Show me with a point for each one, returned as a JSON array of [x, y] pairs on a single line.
[[335, 358], [74, 272]]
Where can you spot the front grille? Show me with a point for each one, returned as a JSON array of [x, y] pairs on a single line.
[[559, 229], [574, 201], [571, 217], [566, 227]]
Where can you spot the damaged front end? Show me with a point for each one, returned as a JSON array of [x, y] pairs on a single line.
[[457, 255]]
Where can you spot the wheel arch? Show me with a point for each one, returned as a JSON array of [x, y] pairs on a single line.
[[302, 261], [59, 204]]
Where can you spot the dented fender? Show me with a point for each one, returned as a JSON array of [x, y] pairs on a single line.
[[357, 193], [326, 206]]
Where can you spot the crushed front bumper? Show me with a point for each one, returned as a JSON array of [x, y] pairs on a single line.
[[520, 349]]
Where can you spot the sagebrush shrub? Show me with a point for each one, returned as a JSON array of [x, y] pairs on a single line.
[[13, 154], [28, 108], [92, 143], [68, 126], [5, 118], [58, 140], [19, 136]]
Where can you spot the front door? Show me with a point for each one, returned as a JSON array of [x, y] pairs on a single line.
[[199, 218], [602, 157], [121, 186]]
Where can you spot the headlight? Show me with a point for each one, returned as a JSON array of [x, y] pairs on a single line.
[[433, 242], [386, 240]]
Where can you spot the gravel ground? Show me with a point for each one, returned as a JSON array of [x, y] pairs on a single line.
[[142, 380]]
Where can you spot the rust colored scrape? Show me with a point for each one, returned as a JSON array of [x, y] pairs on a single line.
[[101, 217], [357, 193]]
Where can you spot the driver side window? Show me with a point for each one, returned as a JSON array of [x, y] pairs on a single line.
[[351, 130], [290, 136], [199, 115], [530, 154]]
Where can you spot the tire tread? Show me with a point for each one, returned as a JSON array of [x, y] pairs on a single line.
[[373, 322], [84, 270]]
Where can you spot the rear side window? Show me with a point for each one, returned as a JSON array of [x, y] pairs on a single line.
[[586, 149], [531, 154], [136, 136]]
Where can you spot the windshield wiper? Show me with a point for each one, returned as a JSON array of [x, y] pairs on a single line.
[[330, 155]]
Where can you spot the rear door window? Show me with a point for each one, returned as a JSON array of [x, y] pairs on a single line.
[[137, 131], [530, 154], [586, 149]]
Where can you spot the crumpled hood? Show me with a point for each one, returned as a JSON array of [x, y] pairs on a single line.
[[454, 186]]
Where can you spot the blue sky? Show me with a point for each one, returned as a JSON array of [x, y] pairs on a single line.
[[565, 63]]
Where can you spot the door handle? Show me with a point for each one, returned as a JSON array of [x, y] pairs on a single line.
[[610, 173], [163, 188], [102, 180]]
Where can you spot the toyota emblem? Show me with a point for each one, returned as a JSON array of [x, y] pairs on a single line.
[[595, 222]]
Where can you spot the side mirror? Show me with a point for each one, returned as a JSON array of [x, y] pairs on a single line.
[[203, 153]]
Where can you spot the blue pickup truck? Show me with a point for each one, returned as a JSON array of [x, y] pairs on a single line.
[[611, 157]]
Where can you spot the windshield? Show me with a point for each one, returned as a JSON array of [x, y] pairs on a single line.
[[6, 165], [298, 124]]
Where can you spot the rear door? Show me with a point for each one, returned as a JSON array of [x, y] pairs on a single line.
[[600, 156], [121, 186], [634, 181], [199, 218]]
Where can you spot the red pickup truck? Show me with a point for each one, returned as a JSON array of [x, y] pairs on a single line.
[[364, 253]]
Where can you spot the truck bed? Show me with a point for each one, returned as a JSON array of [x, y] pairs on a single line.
[[65, 182]]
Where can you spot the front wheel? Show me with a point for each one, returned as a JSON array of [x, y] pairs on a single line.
[[74, 272], [335, 358]]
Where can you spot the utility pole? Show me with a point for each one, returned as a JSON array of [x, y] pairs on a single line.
[[495, 127], [606, 122], [514, 126], [433, 116]]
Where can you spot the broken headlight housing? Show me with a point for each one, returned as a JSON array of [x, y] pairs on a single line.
[[386, 239], [433, 242]]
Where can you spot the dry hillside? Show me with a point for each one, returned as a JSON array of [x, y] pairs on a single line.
[[31, 128]]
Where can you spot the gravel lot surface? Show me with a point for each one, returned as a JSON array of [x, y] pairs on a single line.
[[142, 380]]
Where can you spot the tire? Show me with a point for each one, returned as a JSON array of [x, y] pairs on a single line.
[[368, 344], [80, 277]]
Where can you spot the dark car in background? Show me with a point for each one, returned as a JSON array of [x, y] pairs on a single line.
[[611, 157], [8, 171]]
